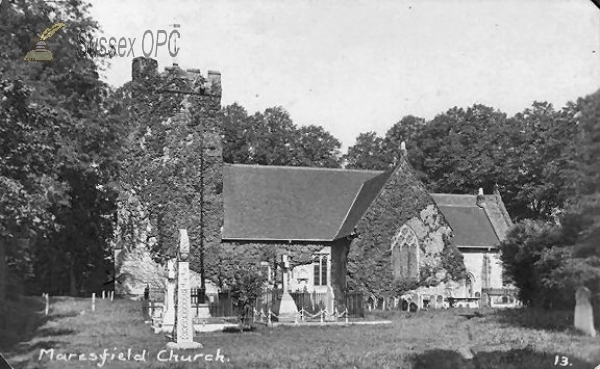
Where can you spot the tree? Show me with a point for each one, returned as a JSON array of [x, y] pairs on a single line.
[[68, 91], [367, 153], [407, 130], [271, 138], [29, 145], [316, 147]]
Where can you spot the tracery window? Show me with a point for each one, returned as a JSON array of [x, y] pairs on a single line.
[[405, 254]]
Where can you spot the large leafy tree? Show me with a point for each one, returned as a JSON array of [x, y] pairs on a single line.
[[367, 153], [271, 138], [29, 184], [548, 261], [82, 142]]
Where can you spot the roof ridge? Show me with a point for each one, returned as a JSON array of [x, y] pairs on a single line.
[[306, 168]]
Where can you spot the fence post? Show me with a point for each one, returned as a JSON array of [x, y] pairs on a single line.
[[322, 314], [93, 301], [346, 312], [112, 295], [269, 317], [47, 298]]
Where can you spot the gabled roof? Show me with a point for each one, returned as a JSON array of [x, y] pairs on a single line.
[[323, 204], [367, 194], [474, 226], [288, 203]]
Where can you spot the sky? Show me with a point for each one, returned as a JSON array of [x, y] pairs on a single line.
[[357, 66]]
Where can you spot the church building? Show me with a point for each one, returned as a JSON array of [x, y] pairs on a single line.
[[368, 231]]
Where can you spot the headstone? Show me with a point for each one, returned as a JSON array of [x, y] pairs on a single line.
[[169, 314], [413, 307], [584, 314], [485, 300], [184, 327], [439, 302], [287, 309], [404, 305]]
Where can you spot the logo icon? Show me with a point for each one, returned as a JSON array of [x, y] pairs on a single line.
[[41, 52]]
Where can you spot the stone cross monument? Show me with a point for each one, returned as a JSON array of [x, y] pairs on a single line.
[[287, 308], [184, 327]]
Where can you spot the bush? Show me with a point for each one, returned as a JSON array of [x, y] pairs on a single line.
[[246, 287]]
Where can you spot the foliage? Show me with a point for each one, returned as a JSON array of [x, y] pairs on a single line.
[[548, 262], [370, 257], [453, 261], [529, 156], [271, 138], [367, 153], [230, 257], [247, 286], [58, 136]]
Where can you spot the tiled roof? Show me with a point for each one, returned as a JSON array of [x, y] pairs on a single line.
[[322, 204], [288, 203], [367, 194], [472, 225]]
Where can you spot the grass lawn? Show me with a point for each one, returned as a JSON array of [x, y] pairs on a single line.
[[432, 339]]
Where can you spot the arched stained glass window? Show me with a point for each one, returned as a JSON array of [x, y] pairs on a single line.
[[405, 254]]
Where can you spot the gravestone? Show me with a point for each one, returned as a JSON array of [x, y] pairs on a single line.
[[287, 309], [485, 300], [584, 314], [404, 305], [439, 302], [184, 327], [414, 307], [169, 314]]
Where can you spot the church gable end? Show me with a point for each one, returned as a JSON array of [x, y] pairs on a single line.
[[401, 239]]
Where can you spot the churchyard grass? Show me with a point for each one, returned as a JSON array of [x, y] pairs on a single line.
[[429, 339]]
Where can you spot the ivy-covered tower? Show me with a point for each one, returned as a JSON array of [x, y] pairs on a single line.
[[190, 101]]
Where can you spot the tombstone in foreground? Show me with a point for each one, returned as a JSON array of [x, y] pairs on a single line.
[[184, 327], [584, 314]]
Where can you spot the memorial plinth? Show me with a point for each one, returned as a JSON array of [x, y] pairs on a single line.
[[288, 310], [184, 327]]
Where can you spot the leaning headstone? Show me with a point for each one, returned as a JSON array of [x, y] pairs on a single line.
[[439, 302], [584, 314], [184, 327]]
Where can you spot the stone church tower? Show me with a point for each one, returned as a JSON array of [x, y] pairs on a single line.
[[188, 98]]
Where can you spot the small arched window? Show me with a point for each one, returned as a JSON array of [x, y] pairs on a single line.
[[405, 254]]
